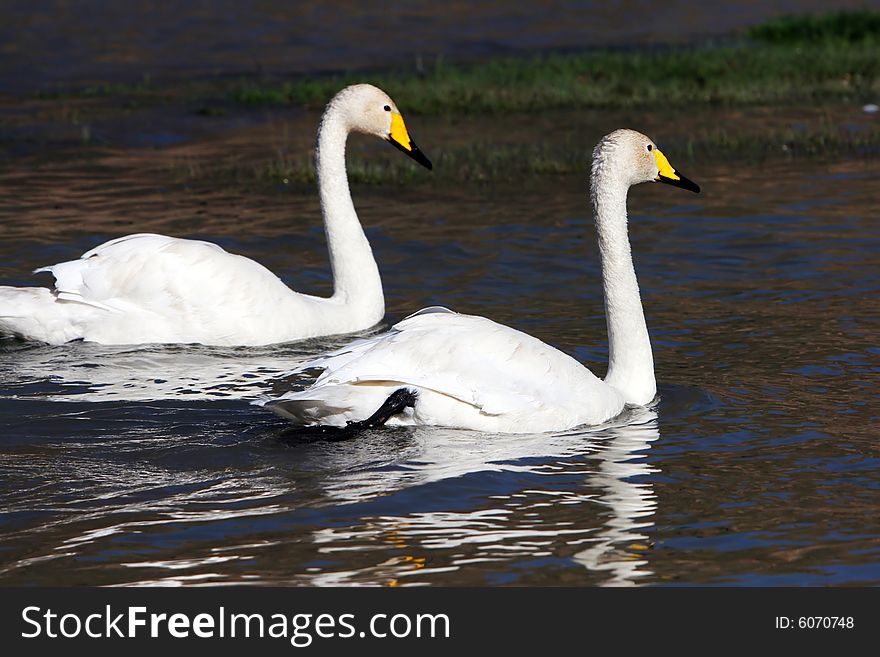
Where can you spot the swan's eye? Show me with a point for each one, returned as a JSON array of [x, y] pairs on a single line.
[[387, 108], [650, 147]]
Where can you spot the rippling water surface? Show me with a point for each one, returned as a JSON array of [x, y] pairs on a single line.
[[758, 464]]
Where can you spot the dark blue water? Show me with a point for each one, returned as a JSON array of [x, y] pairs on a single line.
[[758, 464]]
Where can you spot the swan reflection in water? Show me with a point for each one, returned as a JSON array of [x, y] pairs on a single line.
[[596, 508], [631, 504]]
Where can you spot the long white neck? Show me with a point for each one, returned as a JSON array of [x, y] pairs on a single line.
[[356, 282], [630, 361]]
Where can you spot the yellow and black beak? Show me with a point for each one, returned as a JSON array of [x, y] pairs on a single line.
[[399, 138], [670, 176]]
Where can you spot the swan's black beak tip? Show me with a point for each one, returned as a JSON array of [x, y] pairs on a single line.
[[681, 181], [420, 157], [414, 152]]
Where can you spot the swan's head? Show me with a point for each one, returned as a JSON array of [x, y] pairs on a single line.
[[370, 110], [633, 158]]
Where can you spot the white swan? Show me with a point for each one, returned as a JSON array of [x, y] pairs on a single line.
[[438, 367], [156, 289]]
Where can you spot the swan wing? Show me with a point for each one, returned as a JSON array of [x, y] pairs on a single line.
[[170, 289], [153, 271], [492, 367]]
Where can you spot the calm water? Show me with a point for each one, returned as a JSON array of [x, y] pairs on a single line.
[[56, 43], [758, 464]]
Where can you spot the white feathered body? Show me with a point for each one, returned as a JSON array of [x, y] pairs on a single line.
[[467, 371], [155, 289]]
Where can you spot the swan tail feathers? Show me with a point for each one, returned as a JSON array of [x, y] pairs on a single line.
[[35, 313]]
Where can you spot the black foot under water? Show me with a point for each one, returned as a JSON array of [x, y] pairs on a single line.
[[397, 402]]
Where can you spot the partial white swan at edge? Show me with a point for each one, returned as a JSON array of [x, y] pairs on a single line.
[[148, 288], [438, 367]]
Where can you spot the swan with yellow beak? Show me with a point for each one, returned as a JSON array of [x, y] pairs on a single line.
[[442, 368], [148, 288]]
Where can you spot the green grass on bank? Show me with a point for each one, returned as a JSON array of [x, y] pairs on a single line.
[[806, 59], [731, 75], [835, 27], [798, 59]]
